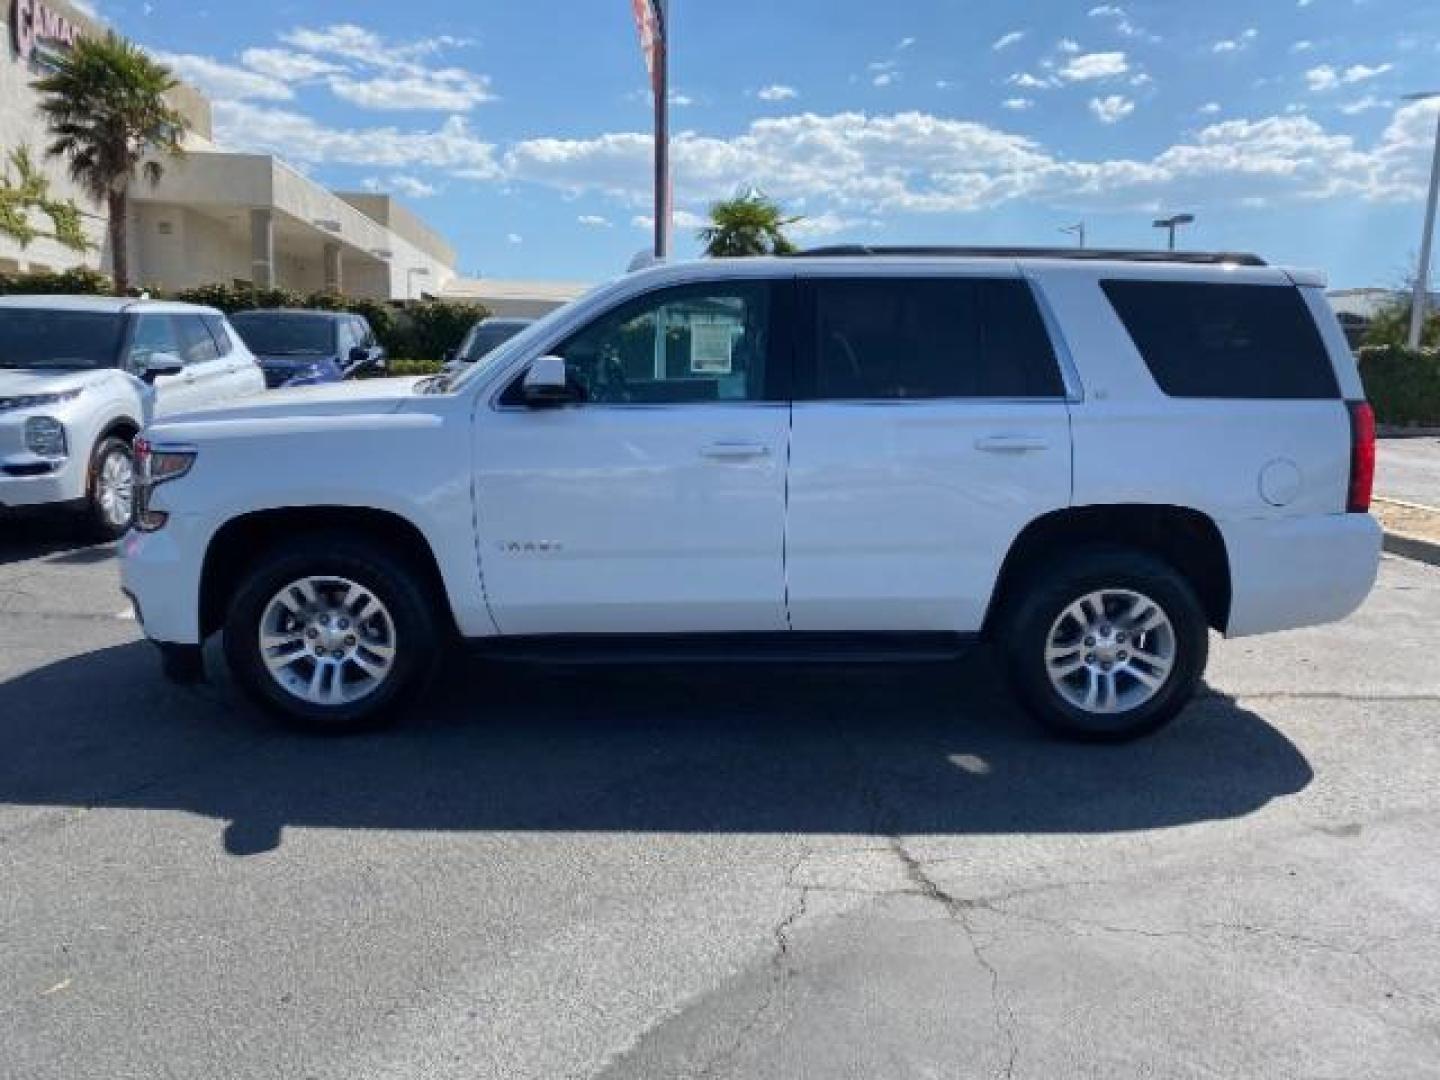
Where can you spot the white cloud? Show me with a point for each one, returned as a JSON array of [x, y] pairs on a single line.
[[594, 221], [1004, 41], [300, 138], [412, 187], [1026, 81], [1302, 46], [1364, 104], [873, 166], [1210, 108], [448, 90], [1068, 45], [514, 238], [679, 219], [1100, 65], [885, 78], [1111, 109], [778, 92], [1236, 44], [287, 65], [1107, 11], [1326, 77], [223, 80], [1018, 104]]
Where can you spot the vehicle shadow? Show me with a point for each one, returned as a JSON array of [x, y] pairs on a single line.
[[859, 750], [27, 536]]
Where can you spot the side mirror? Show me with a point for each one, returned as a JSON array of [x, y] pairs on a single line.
[[448, 357], [359, 357], [545, 383], [158, 364]]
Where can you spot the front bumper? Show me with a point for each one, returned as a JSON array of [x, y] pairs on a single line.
[[1292, 572], [63, 483]]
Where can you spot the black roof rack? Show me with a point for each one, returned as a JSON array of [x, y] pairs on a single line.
[[1199, 258]]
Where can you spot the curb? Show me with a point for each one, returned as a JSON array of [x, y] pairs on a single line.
[[1395, 431], [1406, 545], [1413, 548]]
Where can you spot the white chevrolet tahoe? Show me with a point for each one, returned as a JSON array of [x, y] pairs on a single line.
[[80, 375], [858, 453]]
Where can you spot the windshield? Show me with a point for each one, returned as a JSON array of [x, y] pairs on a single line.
[[269, 334], [485, 336], [35, 338]]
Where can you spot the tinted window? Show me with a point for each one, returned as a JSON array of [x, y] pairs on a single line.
[[274, 334], [216, 325], [1225, 341], [152, 334], [196, 344], [484, 336], [60, 339], [917, 338], [687, 344]]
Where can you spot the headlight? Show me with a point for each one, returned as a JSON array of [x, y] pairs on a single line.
[[156, 465], [45, 436], [35, 401]]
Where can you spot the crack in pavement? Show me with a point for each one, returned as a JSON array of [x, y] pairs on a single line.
[[780, 970], [958, 909]]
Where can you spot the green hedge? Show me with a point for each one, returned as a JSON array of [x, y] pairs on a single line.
[[424, 331], [80, 281], [1403, 384]]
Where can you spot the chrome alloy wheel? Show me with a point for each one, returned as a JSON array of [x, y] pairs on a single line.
[[327, 640], [115, 488], [1110, 651]]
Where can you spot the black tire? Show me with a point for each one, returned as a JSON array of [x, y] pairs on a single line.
[[1039, 603], [97, 523], [393, 580]]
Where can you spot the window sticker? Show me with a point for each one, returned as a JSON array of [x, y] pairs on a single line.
[[711, 348]]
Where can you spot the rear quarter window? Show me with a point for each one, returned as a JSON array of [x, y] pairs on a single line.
[[1203, 340]]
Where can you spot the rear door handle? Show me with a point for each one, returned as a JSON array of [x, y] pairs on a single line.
[[1011, 444], [734, 451]]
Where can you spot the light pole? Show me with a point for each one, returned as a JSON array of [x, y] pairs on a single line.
[[1077, 230], [1422, 272], [410, 276], [1170, 223]]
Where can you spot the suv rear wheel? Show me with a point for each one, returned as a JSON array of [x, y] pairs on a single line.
[[1107, 644], [331, 633]]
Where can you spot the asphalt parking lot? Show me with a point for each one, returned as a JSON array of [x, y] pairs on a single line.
[[877, 872]]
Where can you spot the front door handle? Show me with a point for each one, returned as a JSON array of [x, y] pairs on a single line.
[[1011, 444], [734, 451]]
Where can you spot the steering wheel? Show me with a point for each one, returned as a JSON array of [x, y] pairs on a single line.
[[617, 386]]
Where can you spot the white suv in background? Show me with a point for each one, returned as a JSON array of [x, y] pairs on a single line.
[[80, 376], [1092, 461]]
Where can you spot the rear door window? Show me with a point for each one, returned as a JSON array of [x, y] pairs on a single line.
[[1203, 340], [196, 344], [894, 338]]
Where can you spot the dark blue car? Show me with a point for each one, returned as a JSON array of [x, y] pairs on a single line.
[[302, 348]]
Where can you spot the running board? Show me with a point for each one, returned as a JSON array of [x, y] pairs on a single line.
[[778, 648]]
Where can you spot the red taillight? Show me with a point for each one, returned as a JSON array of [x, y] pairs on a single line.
[[1362, 457]]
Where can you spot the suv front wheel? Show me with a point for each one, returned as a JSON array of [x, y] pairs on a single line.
[[332, 633], [1107, 644]]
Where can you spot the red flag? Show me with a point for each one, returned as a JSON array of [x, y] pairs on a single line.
[[652, 37]]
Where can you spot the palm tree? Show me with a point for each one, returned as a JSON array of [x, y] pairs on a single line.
[[106, 107], [748, 224]]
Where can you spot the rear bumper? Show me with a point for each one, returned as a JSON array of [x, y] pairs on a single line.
[[1292, 572], [160, 572]]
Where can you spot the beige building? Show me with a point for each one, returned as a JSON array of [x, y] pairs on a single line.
[[217, 216]]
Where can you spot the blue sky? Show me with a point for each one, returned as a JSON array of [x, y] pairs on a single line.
[[520, 130]]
